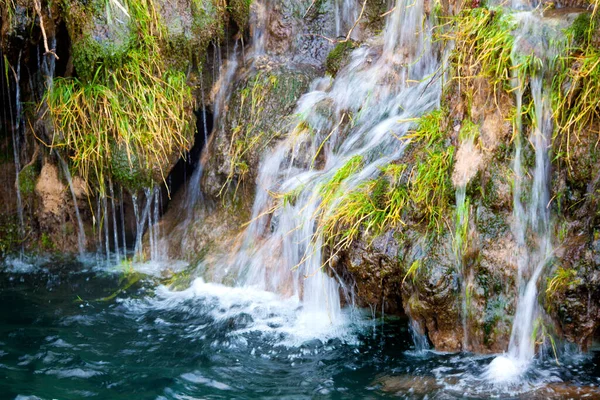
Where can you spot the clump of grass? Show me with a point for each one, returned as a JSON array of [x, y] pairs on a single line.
[[468, 131], [483, 45], [132, 109], [577, 88], [541, 333], [137, 110], [430, 181], [562, 279], [332, 189], [422, 193]]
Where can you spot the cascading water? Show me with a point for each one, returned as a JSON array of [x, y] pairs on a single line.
[[460, 242], [80, 231], [382, 87], [346, 14], [532, 225], [16, 127], [222, 91]]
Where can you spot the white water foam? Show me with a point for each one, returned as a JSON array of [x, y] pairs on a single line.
[[282, 318]]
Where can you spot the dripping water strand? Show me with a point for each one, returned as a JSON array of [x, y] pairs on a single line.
[[80, 231]]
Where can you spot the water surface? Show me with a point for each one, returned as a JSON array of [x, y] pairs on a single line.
[[69, 331]]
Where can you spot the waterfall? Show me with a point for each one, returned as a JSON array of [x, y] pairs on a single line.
[[16, 126], [259, 18], [467, 162], [532, 225], [114, 222], [221, 92], [281, 249], [460, 237], [80, 231], [346, 13]]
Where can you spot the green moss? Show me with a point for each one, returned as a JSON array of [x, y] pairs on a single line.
[[208, 22], [46, 242], [338, 57], [240, 12], [581, 28], [127, 171], [27, 178], [9, 234]]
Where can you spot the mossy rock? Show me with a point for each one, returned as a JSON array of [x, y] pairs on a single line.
[[27, 178], [240, 12], [373, 11], [338, 57], [106, 34], [128, 172], [9, 234], [101, 33]]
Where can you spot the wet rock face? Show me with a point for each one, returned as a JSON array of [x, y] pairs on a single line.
[[572, 284], [573, 299], [256, 116], [55, 215], [431, 296], [374, 273]]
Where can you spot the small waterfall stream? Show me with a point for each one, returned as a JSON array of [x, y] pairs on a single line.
[[80, 230], [384, 86], [16, 128], [532, 224]]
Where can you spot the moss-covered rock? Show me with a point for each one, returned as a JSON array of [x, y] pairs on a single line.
[[257, 115], [338, 57], [27, 178], [127, 170]]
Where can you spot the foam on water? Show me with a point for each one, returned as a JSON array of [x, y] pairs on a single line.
[[284, 319], [504, 369]]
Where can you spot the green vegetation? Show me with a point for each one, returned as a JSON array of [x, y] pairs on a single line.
[[562, 279], [577, 86], [483, 45], [430, 184], [541, 333], [240, 12], [9, 234], [338, 57], [133, 108], [250, 134], [265, 93], [422, 193], [27, 178], [46, 242], [130, 109]]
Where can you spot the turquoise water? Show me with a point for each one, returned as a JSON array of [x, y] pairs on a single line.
[[64, 334]]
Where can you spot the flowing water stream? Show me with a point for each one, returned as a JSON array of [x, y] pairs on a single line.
[[384, 87], [532, 226]]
